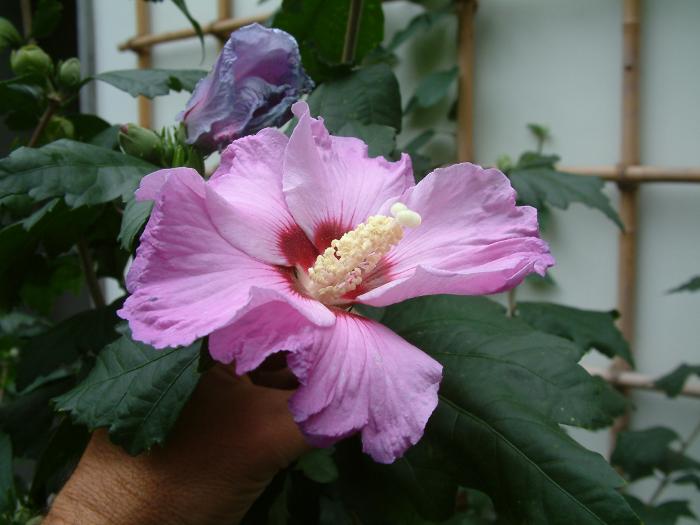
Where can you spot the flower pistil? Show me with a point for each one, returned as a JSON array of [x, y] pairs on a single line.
[[343, 265]]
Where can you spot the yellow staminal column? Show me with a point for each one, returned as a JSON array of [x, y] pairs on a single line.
[[343, 265]]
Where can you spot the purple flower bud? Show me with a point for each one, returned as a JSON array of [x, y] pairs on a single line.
[[255, 81]]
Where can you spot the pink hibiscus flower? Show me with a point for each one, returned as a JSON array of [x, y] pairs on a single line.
[[271, 252]]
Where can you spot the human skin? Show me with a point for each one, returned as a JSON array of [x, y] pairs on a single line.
[[232, 437]]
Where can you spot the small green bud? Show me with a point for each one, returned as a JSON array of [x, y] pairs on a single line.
[[167, 146], [9, 37], [69, 73], [179, 156], [195, 160], [58, 128], [540, 132], [31, 59], [187, 157], [140, 142], [504, 162]]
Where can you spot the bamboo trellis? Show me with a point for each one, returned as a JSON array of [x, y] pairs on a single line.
[[628, 174]]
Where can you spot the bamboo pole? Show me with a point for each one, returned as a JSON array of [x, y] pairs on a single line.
[[465, 61], [628, 379], [637, 174], [219, 28], [629, 156], [143, 27], [224, 11]]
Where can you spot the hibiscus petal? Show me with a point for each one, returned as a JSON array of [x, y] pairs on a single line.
[[473, 239], [330, 183], [187, 280], [359, 375], [257, 221], [265, 330], [151, 184], [255, 80]]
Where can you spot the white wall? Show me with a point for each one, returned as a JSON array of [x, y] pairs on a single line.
[[555, 62]]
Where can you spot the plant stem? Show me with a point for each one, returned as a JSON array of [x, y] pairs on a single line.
[[352, 31], [685, 445], [43, 122], [512, 304], [89, 272], [26, 7]]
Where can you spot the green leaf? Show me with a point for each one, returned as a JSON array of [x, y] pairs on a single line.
[[81, 174], [30, 266], [21, 103], [136, 214], [538, 183], [109, 257], [135, 391], [380, 139], [402, 492], [109, 138], [432, 89], [61, 275], [588, 329], [319, 27], [688, 479], [16, 245], [419, 23], [152, 82], [505, 387], [369, 95], [318, 465], [7, 476], [9, 36], [87, 127], [422, 164], [182, 6], [28, 417], [692, 285], [431, 491], [17, 326], [63, 345], [543, 477], [46, 18], [667, 513], [540, 132], [673, 382], [638, 453], [471, 336], [58, 227], [420, 140]]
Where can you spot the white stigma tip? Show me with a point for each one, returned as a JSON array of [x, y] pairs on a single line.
[[407, 218], [397, 207]]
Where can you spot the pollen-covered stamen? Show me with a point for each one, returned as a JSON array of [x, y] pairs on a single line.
[[343, 265]]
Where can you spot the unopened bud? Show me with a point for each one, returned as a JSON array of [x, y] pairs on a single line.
[[140, 142], [504, 163], [9, 37], [58, 128], [31, 60], [69, 73]]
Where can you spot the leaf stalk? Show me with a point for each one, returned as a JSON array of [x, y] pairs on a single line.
[[685, 445], [352, 31], [90, 276], [51, 108]]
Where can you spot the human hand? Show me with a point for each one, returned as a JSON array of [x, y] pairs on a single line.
[[230, 440]]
